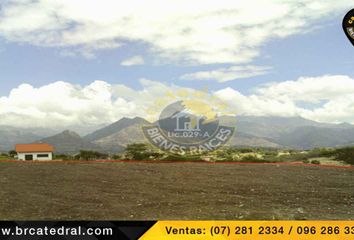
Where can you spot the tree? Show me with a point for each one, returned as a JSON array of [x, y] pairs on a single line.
[[12, 153], [117, 157], [137, 151], [345, 154], [91, 155]]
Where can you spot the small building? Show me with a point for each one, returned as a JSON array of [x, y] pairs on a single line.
[[35, 151]]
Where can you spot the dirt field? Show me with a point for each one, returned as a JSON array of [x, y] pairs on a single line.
[[131, 191]]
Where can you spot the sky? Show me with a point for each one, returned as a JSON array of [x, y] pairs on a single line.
[[76, 62]]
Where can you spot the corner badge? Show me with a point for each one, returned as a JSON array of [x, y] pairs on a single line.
[[348, 25]]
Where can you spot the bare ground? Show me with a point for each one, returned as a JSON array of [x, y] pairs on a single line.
[[132, 191]]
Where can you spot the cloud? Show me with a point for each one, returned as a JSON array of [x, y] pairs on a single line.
[[62, 104], [87, 52], [191, 32], [135, 60], [228, 74], [334, 95], [329, 99], [310, 89]]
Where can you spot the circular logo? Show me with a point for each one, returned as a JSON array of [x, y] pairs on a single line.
[[348, 25], [188, 127]]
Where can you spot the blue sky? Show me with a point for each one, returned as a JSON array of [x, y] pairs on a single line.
[[320, 52], [179, 46]]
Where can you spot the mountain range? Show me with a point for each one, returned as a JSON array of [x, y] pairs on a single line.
[[251, 131]]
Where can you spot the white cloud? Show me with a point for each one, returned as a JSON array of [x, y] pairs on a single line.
[[310, 89], [62, 104], [330, 99], [228, 74], [194, 32], [135, 60]]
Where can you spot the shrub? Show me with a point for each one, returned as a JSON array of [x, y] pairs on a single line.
[[345, 154], [251, 158], [321, 152], [91, 155], [293, 157], [271, 154], [315, 162], [63, 157], [246, 150], [12, 153], [182, 158], [306, 161], [116, 157]]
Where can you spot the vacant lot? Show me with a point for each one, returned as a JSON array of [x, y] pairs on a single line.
[[112, 191]]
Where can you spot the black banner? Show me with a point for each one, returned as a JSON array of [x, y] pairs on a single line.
[[122, 230]]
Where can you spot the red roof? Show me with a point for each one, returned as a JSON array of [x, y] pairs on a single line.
[[35, 147]]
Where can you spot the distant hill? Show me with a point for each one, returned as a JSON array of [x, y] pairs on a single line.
[[114, 128], [241, 139], [10, 136], [296, 132], [251, 131], [69, 142], [116, 136], [308, 137], [275, 127]]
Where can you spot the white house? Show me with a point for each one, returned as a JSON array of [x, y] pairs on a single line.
[[35, 151]]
